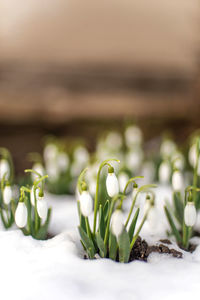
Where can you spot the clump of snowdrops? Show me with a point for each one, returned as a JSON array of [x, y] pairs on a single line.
[[32, 214], [113, 236], [182, 215]]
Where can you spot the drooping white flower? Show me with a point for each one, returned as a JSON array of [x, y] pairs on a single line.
[[178, 160], [123, 179], [192, 155], [117, 223], [190, 214], [167, 148], [81, 155], [62, 161], [114, 141], [112, 185], [92, 186], [32, 195], [37, 167], [4, 169], [50, 152], [86, 203], [7, 194], [133, 136], [42, 207], [164, 172], [134, 159], [177, 181], [52, 170], [21, 215]]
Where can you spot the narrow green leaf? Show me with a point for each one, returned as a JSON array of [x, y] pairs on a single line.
[[179, 208], [124, 247], [101, 222], [113, 246], [100, 244], [133, 224], [172, 225], [87, 242], [106, 210]]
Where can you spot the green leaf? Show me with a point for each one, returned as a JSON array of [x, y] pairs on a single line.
[[172, 225], [124, 247], [101, 246], [133, 224], [101, 222], [106, 210], [179, 208], [146, 187], [87, 242], [113, 246]]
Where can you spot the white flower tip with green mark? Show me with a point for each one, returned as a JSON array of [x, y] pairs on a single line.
[[190, 214], [7, 194], [177, 181], [112, 185], [21, 215], [86, 204], [117, 223], [42, 207]]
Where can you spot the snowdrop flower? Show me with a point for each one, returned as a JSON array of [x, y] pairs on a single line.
[[52, 170], [21, 215], [179, 160], [4, 169], [7, 194], [86, 203], [123, 179], [42, 207], [148, 204], [164, 172], [112, 184], [62, 161], [92, 186], [114, 141], [37, 167], [177, 181], [32, 195], [167, 148], [133, 136], [192, 155], [117, 223], [190, 214], [134, 159], [50, 152], [81, 155]]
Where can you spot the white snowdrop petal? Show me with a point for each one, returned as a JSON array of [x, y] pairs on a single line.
[[164, 172], [177, 181], [42, 207], [7, 194], [81, 155], [167, 148], [63, 162], [50, 152], [190, 214], [192, 155], [112, 185], [86, 204], [33, 197], [133, 135], [4, 169], [114, 141], [134, 159], [123, 179], [117, 223], [21, 215]]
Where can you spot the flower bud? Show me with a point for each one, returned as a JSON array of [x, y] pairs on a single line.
[[112, 185], [177, 181], [7, 194], [164, 172], [4, 169], [86, 203], [190, 214], [117, 224], [42, 207], [21, 215]]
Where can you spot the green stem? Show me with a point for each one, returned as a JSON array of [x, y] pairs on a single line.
[[88, 228], [104, 163], [108, 221], [36, 213], [131, 209], [139, 229]]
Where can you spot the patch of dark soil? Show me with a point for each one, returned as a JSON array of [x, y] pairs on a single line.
[[166, 241], [191, 248], [49, 236], [141, 250]]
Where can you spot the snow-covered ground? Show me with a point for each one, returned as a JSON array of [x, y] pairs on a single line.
[[55, 269]]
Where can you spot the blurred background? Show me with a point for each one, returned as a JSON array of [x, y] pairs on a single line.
[[74, 68]]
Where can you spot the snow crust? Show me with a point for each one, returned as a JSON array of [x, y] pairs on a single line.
[[55, 269]]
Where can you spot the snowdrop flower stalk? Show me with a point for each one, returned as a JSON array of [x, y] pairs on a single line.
[[34, 202], [184, 211], [6, 212], [112, 237]]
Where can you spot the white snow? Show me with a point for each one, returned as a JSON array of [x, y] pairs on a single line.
[[55, 269]]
